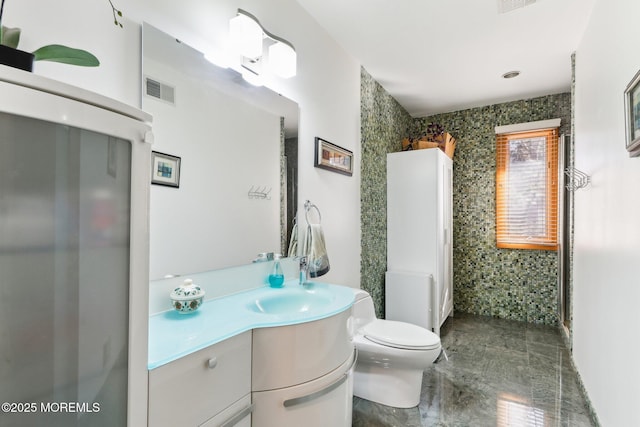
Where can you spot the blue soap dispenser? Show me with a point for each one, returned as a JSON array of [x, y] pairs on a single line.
[[276, 278]]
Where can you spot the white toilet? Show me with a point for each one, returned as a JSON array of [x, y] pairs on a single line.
[[391, 356]]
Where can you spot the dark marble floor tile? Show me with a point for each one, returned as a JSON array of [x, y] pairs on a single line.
[[499, 373], [551, 366], [551, 352], [370, 414], [464, 349], [507, 342], [568, 420], [544, 334], [562, 396], [453, 400], [508, 371]]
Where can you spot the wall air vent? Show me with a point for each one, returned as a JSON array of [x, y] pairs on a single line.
[[164, 92], [505, 6]]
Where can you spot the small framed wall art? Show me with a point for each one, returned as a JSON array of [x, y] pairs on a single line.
[[165, 169], [331, 157], [632, 115]]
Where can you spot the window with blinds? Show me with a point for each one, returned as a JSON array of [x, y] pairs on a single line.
[[527, 190]]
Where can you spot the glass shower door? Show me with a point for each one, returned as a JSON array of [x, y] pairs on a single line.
[[65, 196]]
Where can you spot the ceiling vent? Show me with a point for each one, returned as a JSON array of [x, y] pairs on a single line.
[[164, 92], [505, 6]]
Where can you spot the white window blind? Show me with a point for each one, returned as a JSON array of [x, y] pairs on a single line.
[[527, 189]]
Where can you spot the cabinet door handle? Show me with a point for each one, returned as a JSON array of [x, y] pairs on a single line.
[[212, 362], [298, 400], [238, 417]]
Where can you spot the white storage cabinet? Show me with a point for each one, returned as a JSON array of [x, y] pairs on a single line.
[[419, 237]]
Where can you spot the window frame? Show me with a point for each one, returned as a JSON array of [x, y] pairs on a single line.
[[550, 239]]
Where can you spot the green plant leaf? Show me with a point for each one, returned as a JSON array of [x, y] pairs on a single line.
[[66, 55], [10, 37]]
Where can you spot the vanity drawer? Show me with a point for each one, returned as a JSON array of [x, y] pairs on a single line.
[[324, 402], [284, 356], [191, 390]]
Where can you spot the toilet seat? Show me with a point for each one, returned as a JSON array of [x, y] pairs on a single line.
[[400, 335]]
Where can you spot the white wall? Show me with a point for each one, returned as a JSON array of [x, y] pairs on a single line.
[[327, 87], [606, 293]]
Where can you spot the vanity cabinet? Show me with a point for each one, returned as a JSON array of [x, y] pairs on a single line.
[[302, 374], [210, 387], [283, 357]]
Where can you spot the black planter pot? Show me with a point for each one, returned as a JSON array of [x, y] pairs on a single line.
[[16, 58]]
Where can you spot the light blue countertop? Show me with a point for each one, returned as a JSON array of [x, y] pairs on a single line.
[[173, 335]]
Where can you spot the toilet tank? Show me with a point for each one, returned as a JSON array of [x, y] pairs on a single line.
[[363, 311]]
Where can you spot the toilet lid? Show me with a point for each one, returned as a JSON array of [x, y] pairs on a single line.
[[401, 335]]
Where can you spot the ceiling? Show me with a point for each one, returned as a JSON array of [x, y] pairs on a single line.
[[436, 56]]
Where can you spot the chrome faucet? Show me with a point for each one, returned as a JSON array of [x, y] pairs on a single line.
[[263, 257], [304, 269]]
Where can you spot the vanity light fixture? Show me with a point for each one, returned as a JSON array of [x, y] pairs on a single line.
[[260, 50], [251, 77], [282, 59], [246, 36]]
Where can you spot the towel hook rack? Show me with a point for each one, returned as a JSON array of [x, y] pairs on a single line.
[[307, 207], [256, 192], [577, 179]]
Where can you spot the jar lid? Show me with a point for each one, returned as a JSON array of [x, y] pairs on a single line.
[[187, 290]]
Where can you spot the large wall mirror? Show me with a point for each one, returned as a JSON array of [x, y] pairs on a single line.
[[236, 191]]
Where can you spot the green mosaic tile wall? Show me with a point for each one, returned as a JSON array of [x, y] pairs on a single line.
[[511, 284], [506, 283], [383, 125]]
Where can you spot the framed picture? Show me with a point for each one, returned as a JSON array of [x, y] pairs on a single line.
[[165, 169], [331, 157], [632, 113]]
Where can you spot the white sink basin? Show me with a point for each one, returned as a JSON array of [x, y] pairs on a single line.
[[290, 300]]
